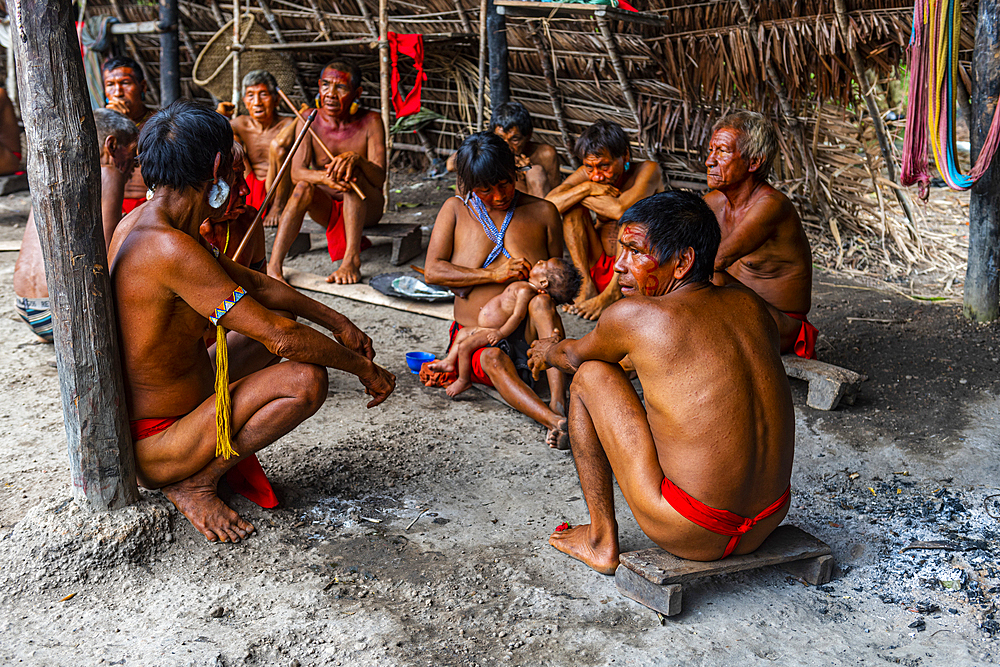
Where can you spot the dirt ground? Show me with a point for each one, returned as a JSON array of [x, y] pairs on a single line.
[[415, 533]]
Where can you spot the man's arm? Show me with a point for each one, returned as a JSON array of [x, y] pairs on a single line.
[[349, 165], [301, 167], [609, 341], [439, 269], [758, 225], [648, 181], [112, 194], [571, 192]]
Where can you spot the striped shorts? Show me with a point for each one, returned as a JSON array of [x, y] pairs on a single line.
[[38, 316]]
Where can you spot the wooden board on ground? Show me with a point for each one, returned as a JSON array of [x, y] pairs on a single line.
[[13, 183], [654, 577], [406, 240], [828, 384], [10, 246], [366, 294]]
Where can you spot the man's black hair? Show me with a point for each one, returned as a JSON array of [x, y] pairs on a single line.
[[564, 283], [484, 160], [123, 61], [509, 115], [178, 145], [603, 136], [350, 69], [676, 221]]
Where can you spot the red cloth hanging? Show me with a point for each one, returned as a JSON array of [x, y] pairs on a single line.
[[413, 46]]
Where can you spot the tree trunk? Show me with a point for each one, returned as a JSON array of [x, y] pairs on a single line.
[[982, 278], [64, 174]]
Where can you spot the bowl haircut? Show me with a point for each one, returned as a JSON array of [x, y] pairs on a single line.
[[118, 62], [484, 160], [509, 115], [347, 68], [604, 136], [178, 145], [675, 221]]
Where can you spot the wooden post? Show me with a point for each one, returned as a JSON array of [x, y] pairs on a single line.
[[237, 93], [982, 278], [12, 79], [170, 53], [608, 38], [383, 76], [496, 31], [463, 17], [272, 20], [552, 86], [64, 173], [481, 87]]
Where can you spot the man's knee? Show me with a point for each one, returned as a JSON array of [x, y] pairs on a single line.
[[311, 383], [303, 192], [593, 376], [492, 360]]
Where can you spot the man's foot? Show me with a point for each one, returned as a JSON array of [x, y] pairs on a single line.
[[587, 292], [591, 309], [272, 217], [457, 387], [349, 273], [599, 553], [206, 512], [277, 274], [441, 366], [558, 437]]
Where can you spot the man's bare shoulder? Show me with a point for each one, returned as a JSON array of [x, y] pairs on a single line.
[[537, 207], [544, 152], [715, 200]]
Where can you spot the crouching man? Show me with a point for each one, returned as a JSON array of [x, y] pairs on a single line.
[[705, 464]]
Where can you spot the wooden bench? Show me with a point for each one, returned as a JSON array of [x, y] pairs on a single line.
[[654, 578], [828, 384], [406, 240], [13, 183]]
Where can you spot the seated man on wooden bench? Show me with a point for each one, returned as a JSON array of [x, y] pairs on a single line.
[[705, 464]]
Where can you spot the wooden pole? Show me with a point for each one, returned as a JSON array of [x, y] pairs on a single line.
[[627, 92], [383, 77], [170, 53], [840, 8], [481, 89], [555, 95], [496, 31], [237, 93], [65, 179], [982, 278], [272, 20], [463, 17]]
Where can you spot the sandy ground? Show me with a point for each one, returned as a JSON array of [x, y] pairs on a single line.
[[415, 533]]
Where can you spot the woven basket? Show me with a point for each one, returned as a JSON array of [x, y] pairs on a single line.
[[213, 70]]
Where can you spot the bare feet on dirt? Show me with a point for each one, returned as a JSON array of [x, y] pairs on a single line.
[[599, 553], [457, 387], [441, 366], [591, 309], [206, 512], [558, 437], [347, 274]]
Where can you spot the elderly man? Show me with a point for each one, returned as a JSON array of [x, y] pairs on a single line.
[[266, 138], [125, 90], [591, 200], [484, 241], [356, 138], [116, 136], [537, 163], [169, 286], [705, 463], [763, 243]]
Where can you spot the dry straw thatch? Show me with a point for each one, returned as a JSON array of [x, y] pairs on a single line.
[[684, 67]]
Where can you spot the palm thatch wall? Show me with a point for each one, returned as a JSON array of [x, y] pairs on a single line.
[[687, 63]]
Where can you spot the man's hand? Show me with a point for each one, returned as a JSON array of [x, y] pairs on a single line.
[[512, 268], [522, 161], [603, 190], [379, 383], [538, 351], [119, 105], [341, 168], [226, 109], [355, 340]]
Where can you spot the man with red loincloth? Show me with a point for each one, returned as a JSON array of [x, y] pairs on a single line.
[[763, 243], [704, 459], [169, 284], [356, 138], [591, 200], [125, 91]]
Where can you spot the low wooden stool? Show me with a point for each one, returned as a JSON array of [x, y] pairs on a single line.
[[406, 240], [300, 246], [13, 183], [828, 384], [653, 578]]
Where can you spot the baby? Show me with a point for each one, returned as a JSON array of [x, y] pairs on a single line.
[[501, 316]]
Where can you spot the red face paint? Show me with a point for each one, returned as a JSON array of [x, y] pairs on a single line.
[[636, 263]]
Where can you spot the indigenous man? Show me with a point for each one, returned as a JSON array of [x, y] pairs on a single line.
[[591, 200], [125, 90], [10, 137], [168, 286], [713, 444], [481, 243], [116, 136], [763, 243], [537, 163], [266, 138], [323, 187]]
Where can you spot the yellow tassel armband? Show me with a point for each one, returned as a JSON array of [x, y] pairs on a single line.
[[223, 406]]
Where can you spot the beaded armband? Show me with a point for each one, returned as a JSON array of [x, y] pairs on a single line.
[[224, 307]]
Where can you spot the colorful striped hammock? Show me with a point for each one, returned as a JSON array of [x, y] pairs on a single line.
[[933, 60]]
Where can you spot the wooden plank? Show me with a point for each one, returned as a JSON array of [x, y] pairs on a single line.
[[366, 294], [664, 599], [10, 246], [13, 183], [828, 384], [786, 544], [816, 571], [568, 10]]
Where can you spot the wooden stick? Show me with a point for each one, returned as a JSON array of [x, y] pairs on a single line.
[[354, 186], [384, 85], [627, 92], [552, 87], [481, 89], [236, 54], [274, 185]]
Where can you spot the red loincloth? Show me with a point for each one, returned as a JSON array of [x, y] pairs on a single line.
[[602, 272], [257, 190], [129, 204], [437, 379], [336, 241], [805, 343], [246, 478], [721, 522]]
